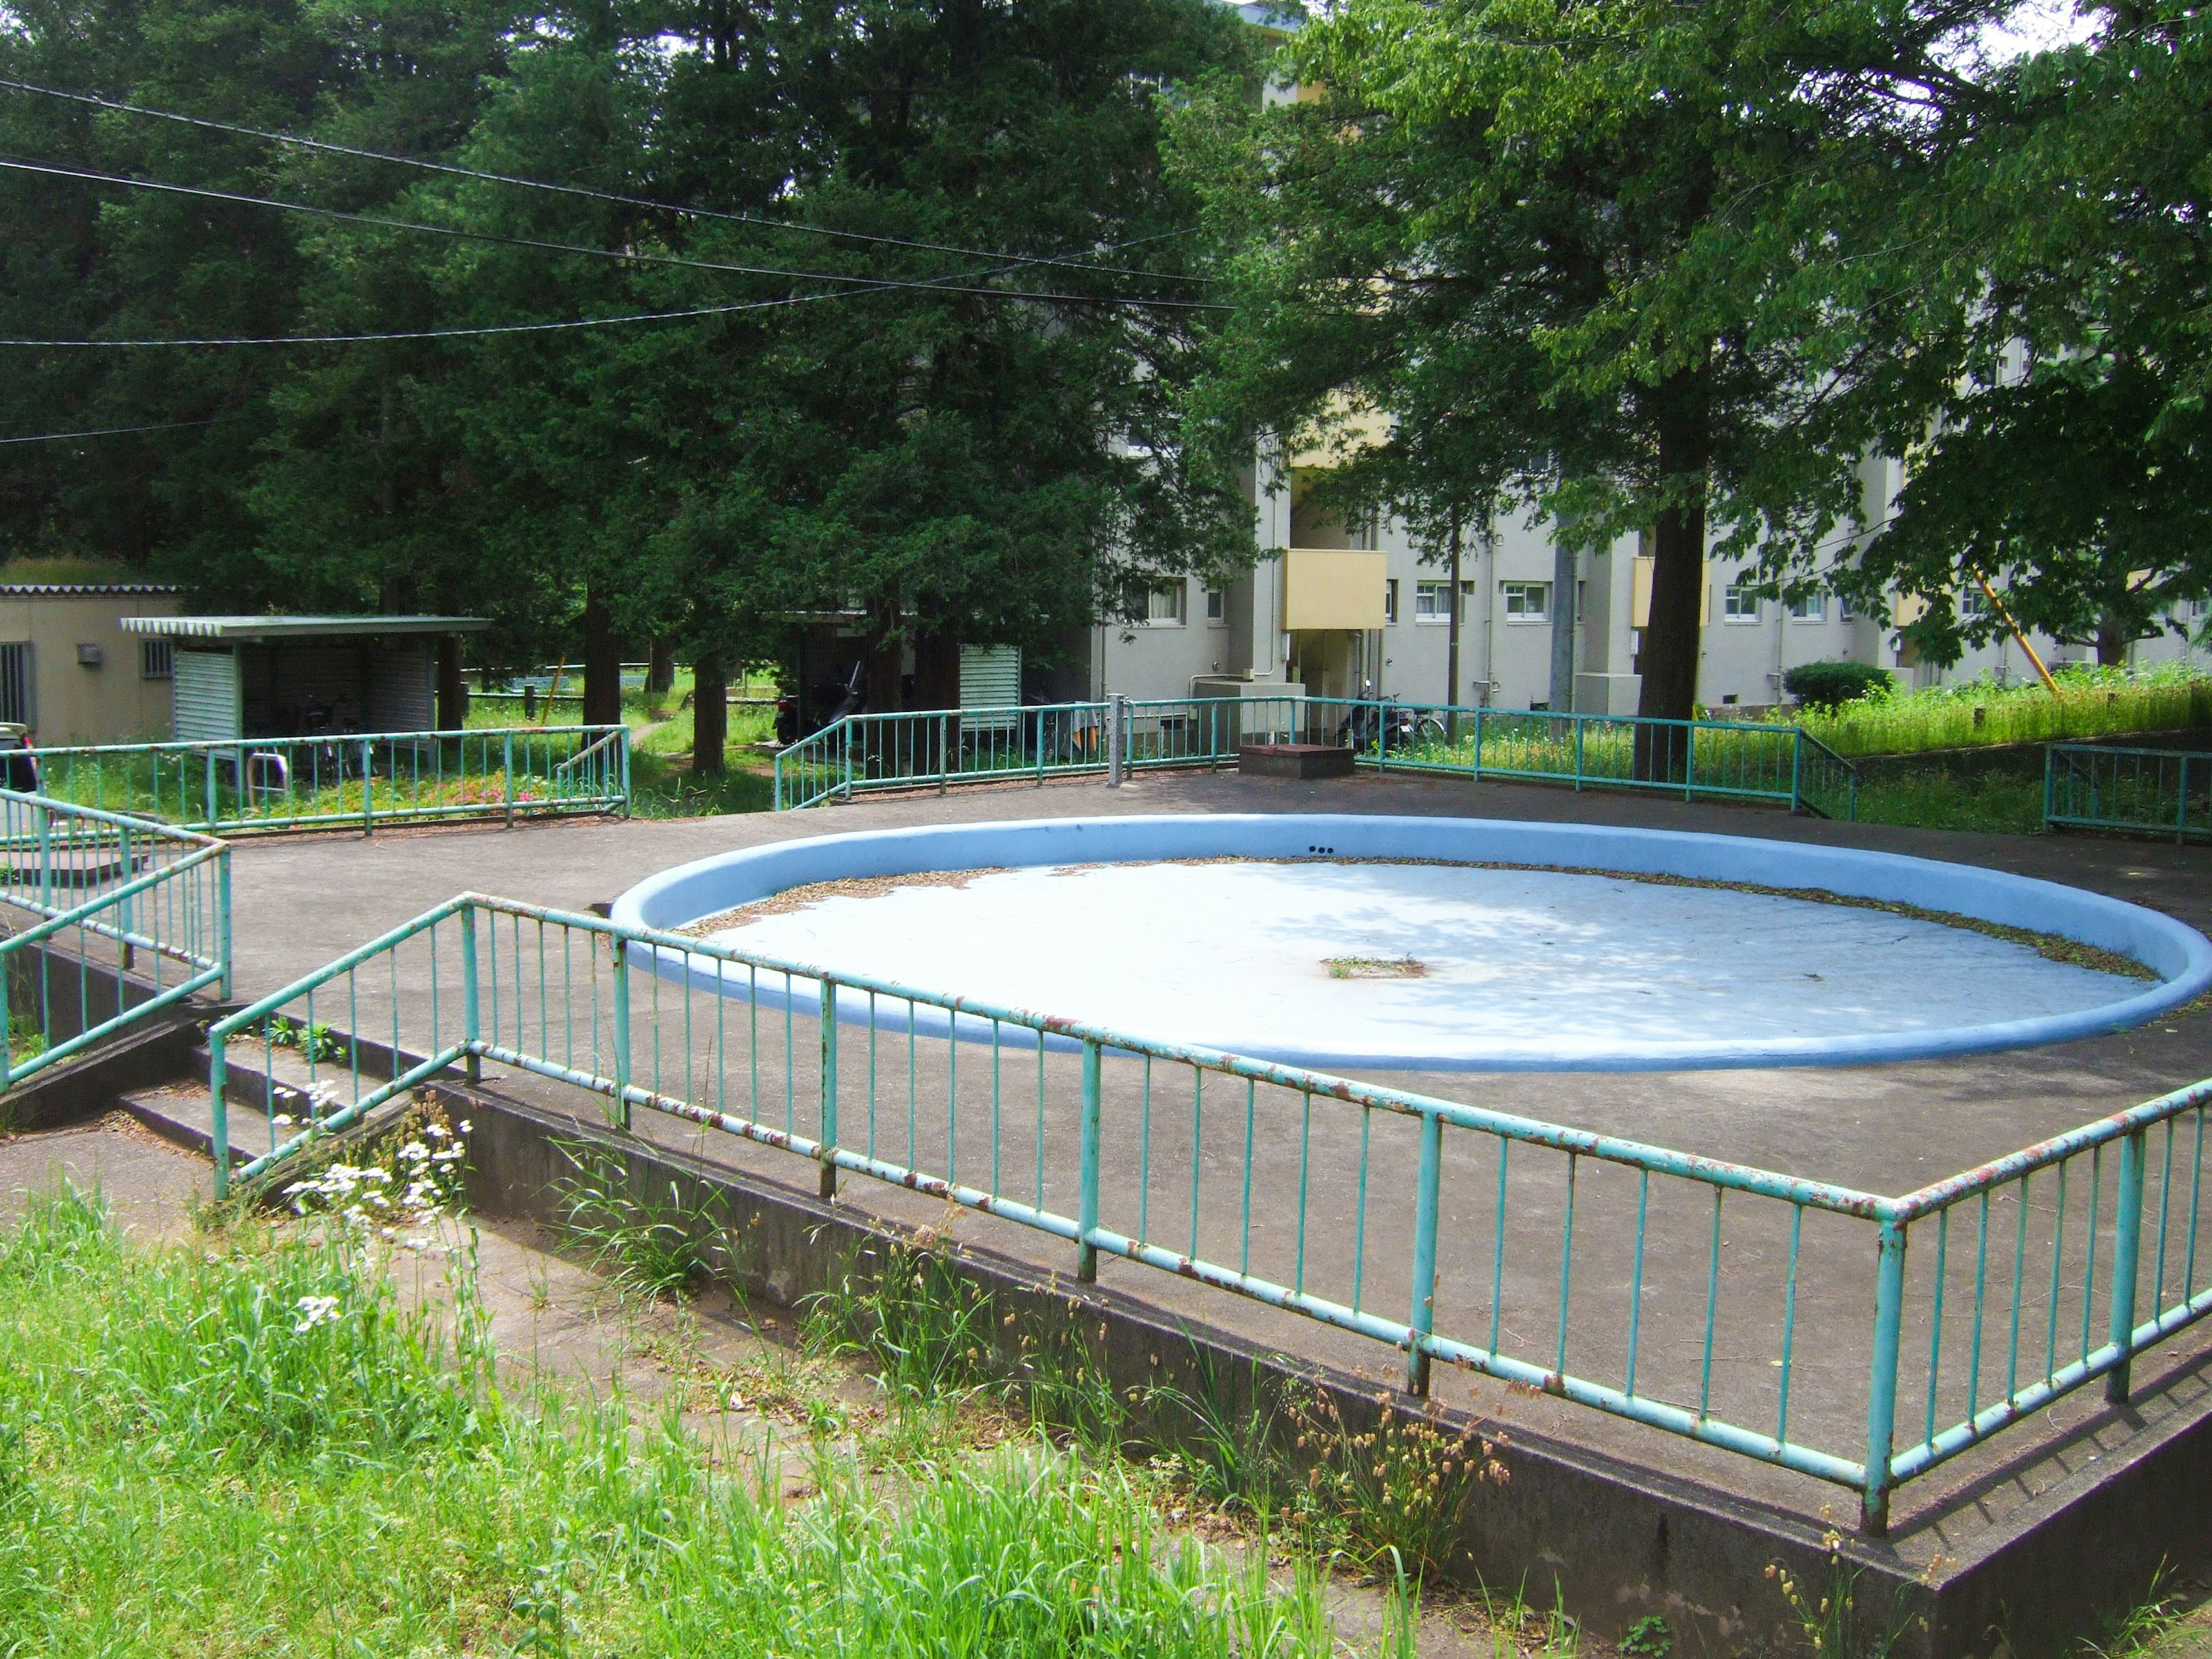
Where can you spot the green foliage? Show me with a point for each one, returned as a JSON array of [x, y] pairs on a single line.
[[315, 1041], [2091, 703], [813, 431], [1648, 1636], [1831, 685], [164, 1417], [658, 1247], [1567, 253]]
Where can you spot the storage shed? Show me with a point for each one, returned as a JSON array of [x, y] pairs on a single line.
[[286, 676], [71, 673]]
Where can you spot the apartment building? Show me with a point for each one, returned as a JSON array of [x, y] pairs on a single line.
[[1332, 610]]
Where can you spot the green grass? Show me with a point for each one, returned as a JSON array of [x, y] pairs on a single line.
[[2091, 703], [248, 1443], [1932, 798]]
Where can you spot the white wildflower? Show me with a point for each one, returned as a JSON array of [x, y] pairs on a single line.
[[314, 1311]]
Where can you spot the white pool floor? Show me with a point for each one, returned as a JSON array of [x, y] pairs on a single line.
[[1519, 963]]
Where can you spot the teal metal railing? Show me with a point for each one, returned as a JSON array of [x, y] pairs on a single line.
[[1854, 1337], [1694, 759], [262, 784], [116, 896], [2151, 792]]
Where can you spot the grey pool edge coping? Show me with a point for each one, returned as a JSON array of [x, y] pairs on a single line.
[[2178, 953]]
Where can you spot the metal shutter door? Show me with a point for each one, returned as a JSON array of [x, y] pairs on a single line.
[[203, 694]]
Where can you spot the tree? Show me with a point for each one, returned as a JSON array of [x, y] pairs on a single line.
[[1597, 220], [2046, 383]]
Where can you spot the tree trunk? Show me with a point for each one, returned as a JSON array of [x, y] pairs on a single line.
[[1451, 644], [1560, 692], [660, 667], [710, 714], [1668, 660], [937, 685], [602, 663], [2113, 641]]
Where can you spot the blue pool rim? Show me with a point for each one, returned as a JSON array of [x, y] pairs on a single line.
[[2178, 953]]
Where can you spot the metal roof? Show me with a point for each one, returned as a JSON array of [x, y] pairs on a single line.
[[294, 628], [80, 590]]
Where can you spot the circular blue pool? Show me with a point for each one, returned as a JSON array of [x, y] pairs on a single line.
[[1375, 943]]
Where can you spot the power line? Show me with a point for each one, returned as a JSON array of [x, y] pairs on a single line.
[[538, 244], [114, 431], [588, 192], [434, 333]]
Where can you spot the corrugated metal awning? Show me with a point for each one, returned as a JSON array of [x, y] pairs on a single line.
[[294, 627]]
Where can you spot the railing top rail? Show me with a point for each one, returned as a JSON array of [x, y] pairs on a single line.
[[223, 746], [2114, 749], [869, 716], [1822, 750], [2044, 1153], [259, 1009], [1660, 1159], [121, 820], [106, 897]]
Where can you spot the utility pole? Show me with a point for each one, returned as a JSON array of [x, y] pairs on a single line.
[[1451, 651]]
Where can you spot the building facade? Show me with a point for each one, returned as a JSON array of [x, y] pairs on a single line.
[[1334, 609]]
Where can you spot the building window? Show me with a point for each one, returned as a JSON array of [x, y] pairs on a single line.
[[1526, 602], [1739, 603], [1217, 605], [1844, 611], [1813, 607], [15, 682], [1432, 602], [1163, 606], [1973, 604], [157, 659], [1390, 600]]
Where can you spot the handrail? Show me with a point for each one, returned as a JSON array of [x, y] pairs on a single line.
[[262, 785], [173, 908], [1751, 760], [554, 994], [2156, 792]]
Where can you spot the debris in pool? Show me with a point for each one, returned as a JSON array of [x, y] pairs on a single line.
[[1375, 967]]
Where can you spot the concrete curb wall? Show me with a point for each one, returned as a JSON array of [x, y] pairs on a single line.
[[1614, 1541], [2180, 955]]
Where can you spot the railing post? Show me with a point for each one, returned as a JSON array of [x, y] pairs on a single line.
[[507, 776], [2050, 782], [368, 803], [2181, 807], [46, 860], [1113, 740], [621, 1031], [1797, 772], [1423, 1318], [2127, 1252], [845, 741], [1479, 711], [776, 769], [471, 1003], [1580, 725], [222, 923], [212, 815], [1882, 1385], [219, 1138], [1689, 760], [943, 754], [1087, 1204], [830, 1088]]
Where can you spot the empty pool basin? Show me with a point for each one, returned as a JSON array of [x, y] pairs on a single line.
[[1368, 943]]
